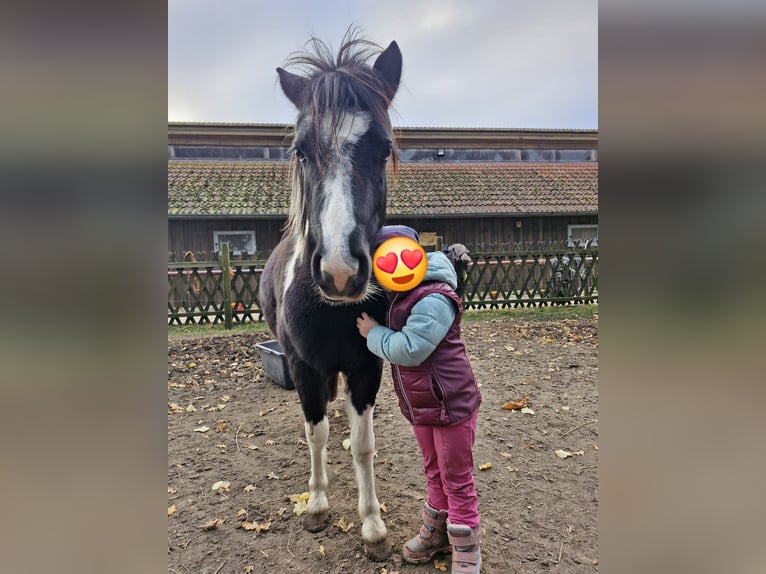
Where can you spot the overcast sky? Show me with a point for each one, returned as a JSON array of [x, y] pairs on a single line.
[[480, 63]]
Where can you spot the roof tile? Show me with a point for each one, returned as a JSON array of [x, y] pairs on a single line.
[[263, 188]]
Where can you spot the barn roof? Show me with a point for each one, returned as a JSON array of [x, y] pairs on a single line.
[[261, 188], [220, 133]]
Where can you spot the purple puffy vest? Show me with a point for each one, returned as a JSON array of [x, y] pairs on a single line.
[[441, 390]]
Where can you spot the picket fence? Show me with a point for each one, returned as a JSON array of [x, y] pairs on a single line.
[[226, 291]]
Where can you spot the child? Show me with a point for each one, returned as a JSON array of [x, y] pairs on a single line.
[[438, 394]]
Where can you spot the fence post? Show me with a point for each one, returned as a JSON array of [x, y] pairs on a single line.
[[226, 271]]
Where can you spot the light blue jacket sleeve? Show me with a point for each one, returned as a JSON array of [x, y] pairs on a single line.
[[428, 323]]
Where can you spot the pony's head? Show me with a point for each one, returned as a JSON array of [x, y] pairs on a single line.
[[342, 143]]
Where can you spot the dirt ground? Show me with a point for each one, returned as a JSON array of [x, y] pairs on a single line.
[[539, 512]]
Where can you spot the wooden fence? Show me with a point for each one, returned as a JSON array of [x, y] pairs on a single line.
[[226, 291]]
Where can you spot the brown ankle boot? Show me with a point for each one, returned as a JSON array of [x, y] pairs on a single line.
[[431, 540], [466, 555]]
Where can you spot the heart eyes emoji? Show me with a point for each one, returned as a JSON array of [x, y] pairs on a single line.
[[410, 257], [387, 263], [400, 263]]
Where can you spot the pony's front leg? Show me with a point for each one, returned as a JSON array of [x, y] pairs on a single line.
[[313, 390], [374, 532], [318, 507]]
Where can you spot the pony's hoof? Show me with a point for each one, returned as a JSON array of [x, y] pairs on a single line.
[[378, 551], [316, 522]]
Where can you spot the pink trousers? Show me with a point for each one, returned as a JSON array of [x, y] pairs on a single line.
[[448, 463]]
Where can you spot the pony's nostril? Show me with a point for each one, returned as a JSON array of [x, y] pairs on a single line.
[[329, 284]]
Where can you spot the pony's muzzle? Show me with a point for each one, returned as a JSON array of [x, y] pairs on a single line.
[[340, 280]]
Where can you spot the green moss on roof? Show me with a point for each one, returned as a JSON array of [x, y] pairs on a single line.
[[198, 188]]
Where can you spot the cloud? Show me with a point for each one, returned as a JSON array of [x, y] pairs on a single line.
[[485, 64]]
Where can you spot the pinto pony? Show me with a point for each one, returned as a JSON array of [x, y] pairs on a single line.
[[317, 281]]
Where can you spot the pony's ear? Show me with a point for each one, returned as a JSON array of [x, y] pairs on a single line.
[[294, 87], [389, 64]]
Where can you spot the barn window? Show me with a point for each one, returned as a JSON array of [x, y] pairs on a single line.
[[582, 235], [239, 241]]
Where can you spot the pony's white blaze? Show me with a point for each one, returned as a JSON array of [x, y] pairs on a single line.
[[317, 436], [362, 449], [351, 127], [337, 219]]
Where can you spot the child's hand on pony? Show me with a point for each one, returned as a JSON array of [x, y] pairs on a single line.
[[365, 323]]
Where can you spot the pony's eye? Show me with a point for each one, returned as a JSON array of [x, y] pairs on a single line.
[[299, 154], [387, 151]]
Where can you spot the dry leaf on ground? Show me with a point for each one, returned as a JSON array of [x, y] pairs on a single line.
[[566, 454], [300, 502], [344, 525], [221, 486], [257, 526], [302, 497], [211, 524], [516, 404]]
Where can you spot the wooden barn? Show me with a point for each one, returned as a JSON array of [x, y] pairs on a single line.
[[485, 188]]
